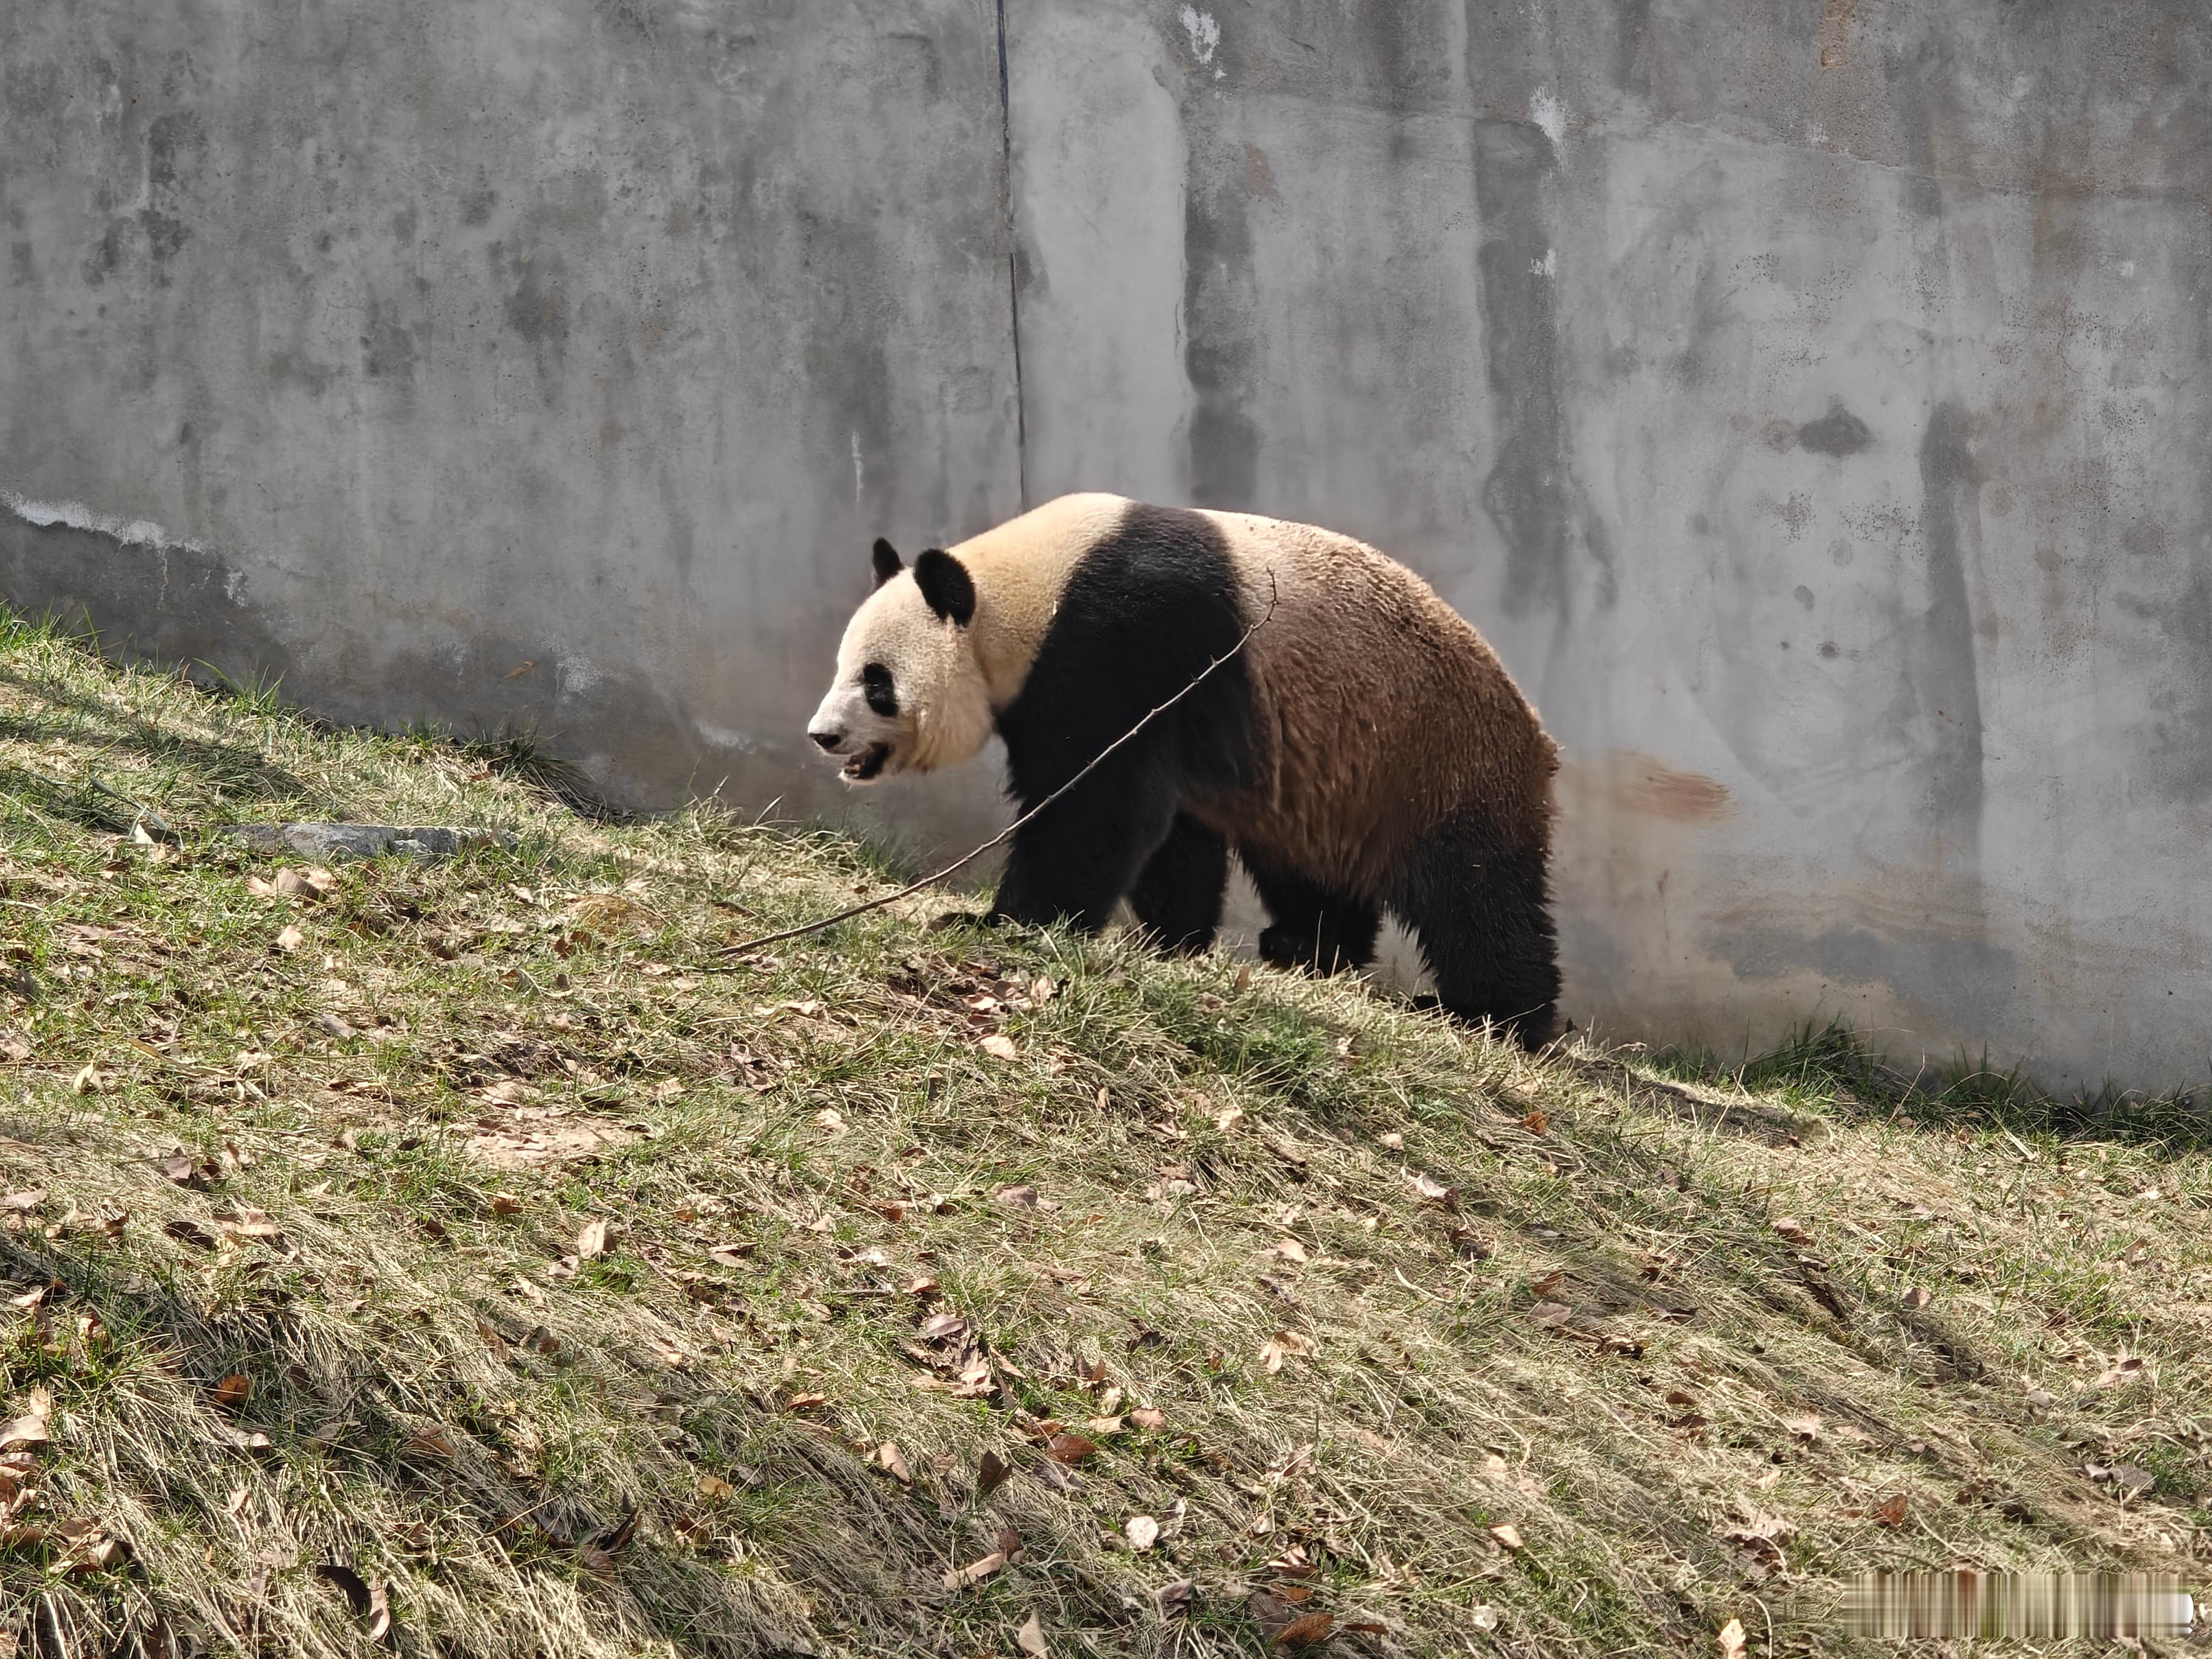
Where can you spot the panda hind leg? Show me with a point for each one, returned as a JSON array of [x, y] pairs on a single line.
[[1479, 906], [1314, 928], [1178, 894]]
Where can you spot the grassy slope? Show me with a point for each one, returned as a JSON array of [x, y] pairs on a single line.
[[457, 1067]]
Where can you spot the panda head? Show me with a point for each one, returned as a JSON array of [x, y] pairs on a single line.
[[909, 695]]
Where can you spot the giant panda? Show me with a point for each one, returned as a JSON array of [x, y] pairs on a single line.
[[1364, 752]]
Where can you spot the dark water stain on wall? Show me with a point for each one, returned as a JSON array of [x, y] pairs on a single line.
[[853, 295], [2181, 743], [536, 306], [184, 605], [1958, 978], [176, 151], [1837, 433], [1526, 493], [1221, 347], [1946, 674], [1631, 66], [387, 349], [171, 602], [176, 146]]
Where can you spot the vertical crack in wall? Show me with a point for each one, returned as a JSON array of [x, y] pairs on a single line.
[[1014, 263]]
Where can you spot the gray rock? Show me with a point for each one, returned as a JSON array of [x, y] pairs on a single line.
[[365, 840]]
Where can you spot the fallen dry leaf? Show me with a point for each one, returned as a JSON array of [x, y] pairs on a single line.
[[887, 1458], [1000, 1046], [1428, 1187], [1142, 1531], [1149, 1416], [95, 1554], [1550, 1313], [592, 1240], [1305, 1631], [976, 1572], [1290, 1250], [368, 1600], [290, 938], [1070, 1448], [1471, 1244], [243, 1222], [505, 1203], [1483, 1617], [23, 1431], [1536, 1124], [233, 1389], [1806, 1428], [1024, 1198], [715, 1488], [831, 1120], [1916, 1298], [1890, 1512], [993, 1473], [1507, 1533], [88, 1081], [1730, 1639], [433, 1440], [1282, 1346], [1030, 1638]]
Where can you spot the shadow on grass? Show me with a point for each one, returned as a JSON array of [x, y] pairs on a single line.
[[330, 1415], [209, 766], [1831, 1063]]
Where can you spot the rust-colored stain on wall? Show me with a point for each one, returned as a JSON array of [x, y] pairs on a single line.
[[1835, 33], [1651, 787]]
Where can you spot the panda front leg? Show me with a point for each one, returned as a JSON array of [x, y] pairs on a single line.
[[1084, 853], [1179, 892]]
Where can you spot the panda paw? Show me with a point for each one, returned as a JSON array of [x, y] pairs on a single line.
[[945, 921]]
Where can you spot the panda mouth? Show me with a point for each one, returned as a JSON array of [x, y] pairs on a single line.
[[867, 764]]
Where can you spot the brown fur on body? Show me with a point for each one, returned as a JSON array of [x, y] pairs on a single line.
[[1380, 714]]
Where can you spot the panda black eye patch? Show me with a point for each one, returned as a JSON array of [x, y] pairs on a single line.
[[876, 686]]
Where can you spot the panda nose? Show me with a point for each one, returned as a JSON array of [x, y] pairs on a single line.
[[829, 740]]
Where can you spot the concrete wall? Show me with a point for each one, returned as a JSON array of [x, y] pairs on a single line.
[[1810, 400]]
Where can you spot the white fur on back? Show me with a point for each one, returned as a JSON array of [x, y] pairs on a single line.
[[1021, 568]]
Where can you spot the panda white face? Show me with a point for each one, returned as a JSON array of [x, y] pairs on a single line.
[[908, 695]]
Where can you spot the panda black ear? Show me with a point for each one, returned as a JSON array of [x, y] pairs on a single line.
[[945, 582], [887, 562]]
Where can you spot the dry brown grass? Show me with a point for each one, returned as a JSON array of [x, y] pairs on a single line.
[[1389, 1287]]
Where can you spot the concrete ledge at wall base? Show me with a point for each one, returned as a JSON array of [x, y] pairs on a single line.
[[365, 840]]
